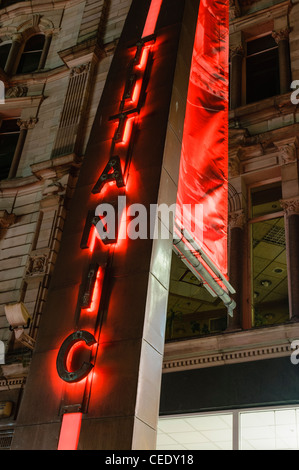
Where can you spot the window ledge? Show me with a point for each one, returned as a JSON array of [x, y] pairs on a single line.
[[230, 348], [257, 115]]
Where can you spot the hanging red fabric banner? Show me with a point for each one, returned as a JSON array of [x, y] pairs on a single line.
[[203, 181]]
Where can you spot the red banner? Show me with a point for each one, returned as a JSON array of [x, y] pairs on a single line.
[[203, 181]]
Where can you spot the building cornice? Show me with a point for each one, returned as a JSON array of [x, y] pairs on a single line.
[[48, 169], [26, 8], [12, 383], [230, 348], [247, 20], [261, 111]]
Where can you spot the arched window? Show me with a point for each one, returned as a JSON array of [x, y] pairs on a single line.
[[4, 52], [32, 53]]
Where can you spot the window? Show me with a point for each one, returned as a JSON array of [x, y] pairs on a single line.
[[32, 54], [4, 52], [196, 432], [9, 135], [269, 266], [269, 430], [192, 311], [262, 69], [257, 429]]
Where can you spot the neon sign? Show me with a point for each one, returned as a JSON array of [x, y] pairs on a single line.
[[114, 174]]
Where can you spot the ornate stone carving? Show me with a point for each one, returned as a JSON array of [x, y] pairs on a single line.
[[17, 92], [281, 35], [36, 19], [84, 68], [288, 154], [26, 124], [238, 355], [290, 206], [234, 9], [37, 265], [6, 219], [237, 219], [236, 49]]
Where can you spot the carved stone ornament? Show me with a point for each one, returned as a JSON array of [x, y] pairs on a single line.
[[236, 49], [84, 68], [17, 92], [290, 206], [37, 265], [288, 154], [281, 35], [26, 124], [6, 219], [234, 9], [237, 219]]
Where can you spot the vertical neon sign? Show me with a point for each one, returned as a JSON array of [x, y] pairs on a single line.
[[113, 173], [152, 18]]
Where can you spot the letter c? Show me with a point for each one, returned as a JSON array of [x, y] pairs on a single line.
[[62, 356]]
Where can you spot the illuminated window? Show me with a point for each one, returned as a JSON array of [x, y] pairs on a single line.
[[259, 429], [9, 135], [262, 69], [270, 430], [32, 53], [192, 310], [269, 266], [197, 432]]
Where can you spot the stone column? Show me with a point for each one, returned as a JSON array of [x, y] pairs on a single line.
[[24, 125], [236, 240], [282, 39], [13, 55], [291, 210], [48, 40], [237, 54]]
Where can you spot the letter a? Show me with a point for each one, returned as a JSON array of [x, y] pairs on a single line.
[[112, 172]]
